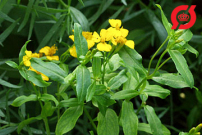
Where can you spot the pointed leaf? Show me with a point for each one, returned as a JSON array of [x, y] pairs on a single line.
[[23, 99], [68, 120], [125, 94], [182, 67]]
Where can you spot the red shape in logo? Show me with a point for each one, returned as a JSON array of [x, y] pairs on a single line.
[[183, 17]]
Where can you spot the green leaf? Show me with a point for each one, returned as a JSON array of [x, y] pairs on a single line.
[[164, 20], [192, 50], [104, 5], [71, 102], [90, 91], [26, 122], [156, 91], [81, 2], [131, 83], [129, 119], [125, 94], [68, 120], [6, 17], [133, 59], [118, 80], [7, 32], [100, 89], [182, 67], [108, 124], [114, 63], [83, 82], [27, 14], [34, 78], [22, 51], [183, 133], [23, 99], [96, 66], [32, 21], [7, 131], [172, 80], [186, 35], [7, 84], [12, 64], [68, 80], [124, 2], [48, 97], [79, 41], [50, 33], [146, 128], [47, 110], [153, 120], [80, 18], [159, 28], [55, 72]]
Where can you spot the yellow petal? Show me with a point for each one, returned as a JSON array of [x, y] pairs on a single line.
[[116, 23], [52, 50], [91, 43], [114, 32], [71, 37], [27, 63], [96, 37], [28, 53], [32, 69], [45, 50], [35, 55], [44, 77], [52, 57], [124, 32], [72, 51], [87, 35], [130, 43], [113, 41], [104, 47]]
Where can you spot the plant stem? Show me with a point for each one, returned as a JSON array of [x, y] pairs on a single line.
[[164, 62], [159, 61], [143, 80], [156, 54], [138, 110], [62, 3], [104, 65], [89, 117], [46, 125]]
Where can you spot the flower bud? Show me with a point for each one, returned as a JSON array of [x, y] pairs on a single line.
[[198, 128]]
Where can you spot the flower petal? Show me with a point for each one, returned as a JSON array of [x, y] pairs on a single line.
[[52, 57], [91, 43], [116, 23], [130, 43], [28, 53], [124, 32], [96, 37], [72, 51], [71, 37], [104, 47], [45, 50]]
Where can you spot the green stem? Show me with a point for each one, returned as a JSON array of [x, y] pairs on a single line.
[[46, 125], [159, 61], [89, 117], [145, 79], [104, 65], [141, 106], [164, 62], [156, 54], [62, 3]]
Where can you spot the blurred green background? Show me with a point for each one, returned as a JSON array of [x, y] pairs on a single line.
[[48, 22]]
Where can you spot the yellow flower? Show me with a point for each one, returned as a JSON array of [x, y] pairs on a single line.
[[117, 29], [90, 38], [123, 41], [105, 36], [28, 56], [49, 52], [44, 77], [72, 51]]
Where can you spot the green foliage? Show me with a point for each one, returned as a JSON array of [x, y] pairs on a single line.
[[101, 92]]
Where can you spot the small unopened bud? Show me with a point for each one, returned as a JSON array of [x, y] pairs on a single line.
[[178, 33], [179, 40], [198, 128], [182, 95], [198, 133], [192, 130]]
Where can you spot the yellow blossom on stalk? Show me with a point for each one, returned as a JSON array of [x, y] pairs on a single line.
[[28, 56], [44, 77], [105, 36], [116, 27], [49, 52], [123, 41], [72, 51], [89, 36]]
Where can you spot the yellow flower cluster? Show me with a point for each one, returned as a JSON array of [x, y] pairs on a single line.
[[113, 36], [47, 51]]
